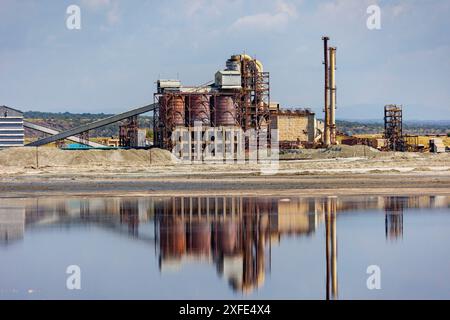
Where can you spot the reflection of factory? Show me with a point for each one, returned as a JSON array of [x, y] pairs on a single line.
[[234, 233], [12, 220], [394, 216]]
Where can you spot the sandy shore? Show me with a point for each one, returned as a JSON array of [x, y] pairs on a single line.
[[127, 173], [192, 180]]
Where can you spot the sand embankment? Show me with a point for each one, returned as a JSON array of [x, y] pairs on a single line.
[[29, 157], [31, 171]]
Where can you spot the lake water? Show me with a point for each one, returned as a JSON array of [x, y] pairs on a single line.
[[226, 247]]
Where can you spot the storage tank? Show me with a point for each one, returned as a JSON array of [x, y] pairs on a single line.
[[199, 238], [172, 238], [175, 110], [227, 237], [199, 109], [225, 110]]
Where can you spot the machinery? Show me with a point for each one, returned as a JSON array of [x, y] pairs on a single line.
[[393, 127], [238, 99]]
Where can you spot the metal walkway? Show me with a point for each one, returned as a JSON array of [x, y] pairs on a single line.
[[93, 125], [43, 129]]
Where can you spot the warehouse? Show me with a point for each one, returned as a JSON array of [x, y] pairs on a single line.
[[296, 127], [11, 127]]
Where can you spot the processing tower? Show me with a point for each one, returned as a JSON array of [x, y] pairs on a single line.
[[238, 99]]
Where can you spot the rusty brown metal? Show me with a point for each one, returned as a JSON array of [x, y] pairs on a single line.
[[176, 104], [199, 237], [198, 109], [393, 127], [226, 111], [128, 133]]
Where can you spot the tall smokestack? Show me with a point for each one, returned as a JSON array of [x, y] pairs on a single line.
[[326, 137], [332, 89]]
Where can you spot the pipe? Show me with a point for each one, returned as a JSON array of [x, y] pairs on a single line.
[[246, 57], [332, 90], [326, 138]]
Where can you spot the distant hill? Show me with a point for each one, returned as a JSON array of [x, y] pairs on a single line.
[[67, 120], [409, 127]]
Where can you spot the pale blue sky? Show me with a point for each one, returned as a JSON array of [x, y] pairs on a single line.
[[111, 64]]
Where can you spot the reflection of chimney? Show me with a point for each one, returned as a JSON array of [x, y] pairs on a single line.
[[332, 90], [330, 208]]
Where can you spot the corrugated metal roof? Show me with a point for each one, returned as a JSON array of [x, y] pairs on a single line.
[[6, 108]]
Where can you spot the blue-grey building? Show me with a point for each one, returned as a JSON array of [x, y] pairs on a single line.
[[11, 127]]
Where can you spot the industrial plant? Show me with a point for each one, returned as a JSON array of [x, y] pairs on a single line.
[[222, 117]]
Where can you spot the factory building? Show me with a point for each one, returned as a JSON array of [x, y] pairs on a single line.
[[296, 127], [236, 101], [11, 127]]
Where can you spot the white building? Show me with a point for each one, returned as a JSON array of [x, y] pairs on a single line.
[[11, 127]]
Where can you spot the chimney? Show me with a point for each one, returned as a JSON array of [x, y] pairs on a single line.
[[326, 137], [332, 90]]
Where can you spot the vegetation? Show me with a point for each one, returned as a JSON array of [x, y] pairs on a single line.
[[66, 120], [409, 127]]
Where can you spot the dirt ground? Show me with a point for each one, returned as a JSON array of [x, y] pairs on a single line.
[[344, 171]]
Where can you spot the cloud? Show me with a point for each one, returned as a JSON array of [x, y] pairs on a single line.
[[110, 7], [267, 20], [95, 4], [113, 15], [207, 7]]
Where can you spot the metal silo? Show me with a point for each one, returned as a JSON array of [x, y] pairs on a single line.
[[199, 109], [225, 111], [176, 110]]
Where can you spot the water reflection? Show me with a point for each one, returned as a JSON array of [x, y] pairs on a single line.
[[330, 207], [236, 234], [394, 216]]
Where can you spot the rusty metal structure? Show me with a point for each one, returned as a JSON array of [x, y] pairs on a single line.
[[255, 98], [393, 127], [128, 133], [238, 98]]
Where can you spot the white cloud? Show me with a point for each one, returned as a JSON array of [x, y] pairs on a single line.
[[113, 15], [207, 7], [277, 19], [95, 4], [110, 7]]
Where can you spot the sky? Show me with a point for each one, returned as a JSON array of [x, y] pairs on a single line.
[[111, 64]]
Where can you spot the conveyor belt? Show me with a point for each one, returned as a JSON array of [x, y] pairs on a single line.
[[93, 125], [43, 129]]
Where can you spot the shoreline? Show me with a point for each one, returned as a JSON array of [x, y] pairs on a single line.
[[129, 173], [325, 184]]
